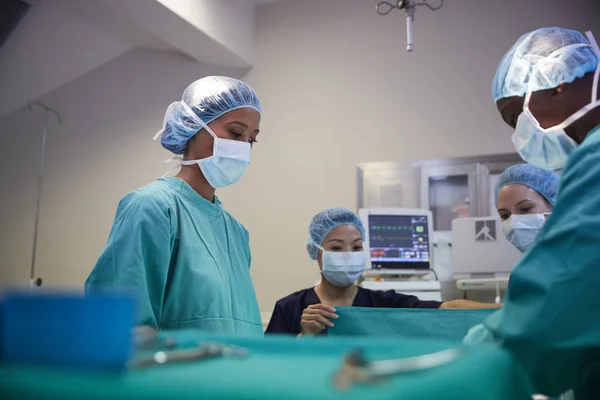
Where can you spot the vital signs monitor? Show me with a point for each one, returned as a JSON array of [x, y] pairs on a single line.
[[398, 239]]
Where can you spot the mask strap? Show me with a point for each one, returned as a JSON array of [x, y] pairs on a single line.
[[595, 88], [551, 55], [179, 163], [594, 98], [193, 115], [564, 49], [318, 246], [590, 37], [164, 124], [526, 101]]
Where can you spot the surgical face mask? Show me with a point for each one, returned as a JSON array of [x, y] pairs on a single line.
[[228, 162], [343, 268], [521, 230], [549, 148]]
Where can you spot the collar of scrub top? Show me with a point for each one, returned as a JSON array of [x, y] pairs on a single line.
[[213, 209]]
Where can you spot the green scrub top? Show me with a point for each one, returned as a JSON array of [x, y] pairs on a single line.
[[551, 315], [186, 260]]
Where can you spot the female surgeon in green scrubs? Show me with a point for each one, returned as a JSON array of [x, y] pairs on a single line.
[[172, 244], [546, 89]]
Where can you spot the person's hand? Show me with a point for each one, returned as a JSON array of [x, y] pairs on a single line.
[[315, 319]]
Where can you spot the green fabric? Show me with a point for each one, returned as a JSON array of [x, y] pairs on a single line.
[[281, 368], [185, 259], [550, 319], [407, 322]]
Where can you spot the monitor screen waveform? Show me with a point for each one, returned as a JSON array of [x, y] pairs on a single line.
[[399, 241]]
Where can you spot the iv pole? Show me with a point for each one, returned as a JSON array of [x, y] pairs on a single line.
[[47, 110], [409, 6]]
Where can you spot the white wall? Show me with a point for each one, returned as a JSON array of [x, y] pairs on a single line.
[[230, 22], [103, 150], [337, 89], [49, 48]]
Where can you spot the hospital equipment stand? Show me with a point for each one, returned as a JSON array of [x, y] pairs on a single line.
[[47, 110]]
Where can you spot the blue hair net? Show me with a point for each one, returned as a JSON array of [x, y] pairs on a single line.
[[324, 222], [208, 98], [543, 181], [531, 62]]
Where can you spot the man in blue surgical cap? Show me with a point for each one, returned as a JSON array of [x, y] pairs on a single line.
[[546, 88], [172, 244]]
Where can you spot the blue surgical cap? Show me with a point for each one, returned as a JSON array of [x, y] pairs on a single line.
[[208, 98], [324, 222], [543, 181], [535, 49]]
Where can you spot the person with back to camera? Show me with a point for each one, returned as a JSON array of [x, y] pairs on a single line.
[[546, 89]]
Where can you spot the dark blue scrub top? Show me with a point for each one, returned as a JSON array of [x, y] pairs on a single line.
[[288, 311]]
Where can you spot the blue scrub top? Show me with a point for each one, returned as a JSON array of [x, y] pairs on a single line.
[[185, 259], [288, 311]]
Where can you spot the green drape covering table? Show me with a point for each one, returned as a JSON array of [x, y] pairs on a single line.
[[407, 322], [279, 368]]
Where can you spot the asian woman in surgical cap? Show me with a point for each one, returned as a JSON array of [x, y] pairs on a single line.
[[172, 244], [525, 197], [335, 242]]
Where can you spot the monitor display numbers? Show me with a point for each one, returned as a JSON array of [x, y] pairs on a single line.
[[399, 241]]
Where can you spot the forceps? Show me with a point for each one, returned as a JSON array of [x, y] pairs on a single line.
[[356, 369]]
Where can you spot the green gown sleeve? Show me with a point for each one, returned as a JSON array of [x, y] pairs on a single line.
[[137, 256], [549, 321]]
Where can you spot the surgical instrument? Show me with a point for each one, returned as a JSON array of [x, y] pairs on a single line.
[[356, 369], [145, 338], [202, 352]]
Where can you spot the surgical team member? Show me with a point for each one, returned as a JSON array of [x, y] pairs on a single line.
[[546, 89], [336, 242], [525, 196], [172, 244]]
